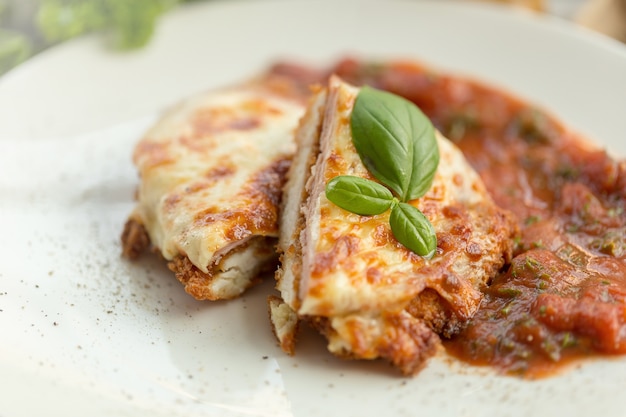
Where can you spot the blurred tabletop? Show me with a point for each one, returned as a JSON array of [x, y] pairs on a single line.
[[28, 27], [604, 16]]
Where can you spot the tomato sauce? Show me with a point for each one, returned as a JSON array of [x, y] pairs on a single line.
[[564, 294]]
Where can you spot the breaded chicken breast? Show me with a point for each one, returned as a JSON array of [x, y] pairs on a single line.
[[370, 296]]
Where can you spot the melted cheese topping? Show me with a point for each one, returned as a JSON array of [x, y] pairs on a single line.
[[212, 171]]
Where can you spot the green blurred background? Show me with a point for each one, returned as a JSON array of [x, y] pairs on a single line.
[[29, 26]]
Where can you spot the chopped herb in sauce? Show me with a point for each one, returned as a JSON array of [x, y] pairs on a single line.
[[531, 220], [532, 126], [611, 243], [458, 125]]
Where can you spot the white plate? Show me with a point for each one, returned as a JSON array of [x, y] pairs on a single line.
[[85, 333]]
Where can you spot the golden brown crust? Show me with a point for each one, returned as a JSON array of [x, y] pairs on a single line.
[[198, 284], [435, 312], [195, 281], [405, 341], [284, 322], [408, 343], [134, 239]]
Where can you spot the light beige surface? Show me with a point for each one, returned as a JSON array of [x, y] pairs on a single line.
[[604, 16]]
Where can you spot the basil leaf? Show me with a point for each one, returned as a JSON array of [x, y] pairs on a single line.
[[411, 228], [425, 159], [358, 195], [395, 141]]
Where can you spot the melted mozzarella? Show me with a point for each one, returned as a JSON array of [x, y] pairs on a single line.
[[212, 170]]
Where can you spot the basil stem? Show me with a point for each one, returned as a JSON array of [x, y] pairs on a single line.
[[358, 195], [395, 141], [411, 228]]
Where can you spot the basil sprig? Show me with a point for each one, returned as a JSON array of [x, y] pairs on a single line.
[[396, 142]]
